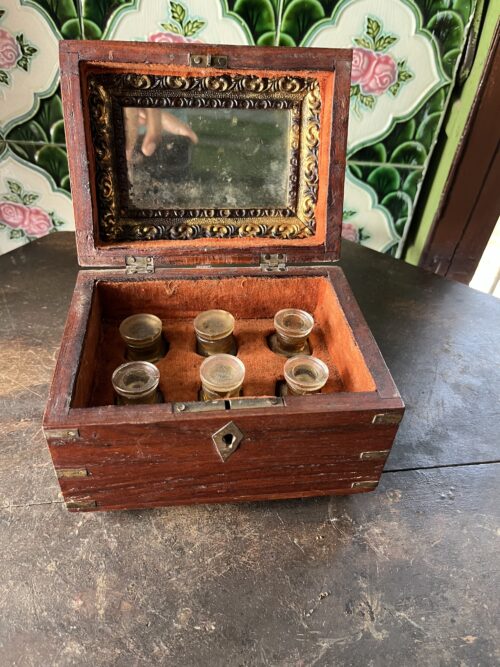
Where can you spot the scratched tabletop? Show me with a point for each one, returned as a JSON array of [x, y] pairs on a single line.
[[407, 575]]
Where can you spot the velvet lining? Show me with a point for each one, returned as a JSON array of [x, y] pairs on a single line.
[[252, 300]]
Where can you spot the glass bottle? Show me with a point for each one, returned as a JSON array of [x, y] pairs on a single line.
[[214, 333], [136, 382], [293, 326], [305, 375], [221, 376], [143, 338]]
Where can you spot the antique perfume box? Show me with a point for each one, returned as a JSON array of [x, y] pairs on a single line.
[[211, 177]]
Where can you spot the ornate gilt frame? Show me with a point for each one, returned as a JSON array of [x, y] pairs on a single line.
[[108, 93]]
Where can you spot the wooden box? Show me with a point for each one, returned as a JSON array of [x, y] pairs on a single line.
[[253, 258]]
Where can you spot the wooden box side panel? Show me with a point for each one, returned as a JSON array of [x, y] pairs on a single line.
[[206, 491], [90, 353], [281, 455], [66, 371]]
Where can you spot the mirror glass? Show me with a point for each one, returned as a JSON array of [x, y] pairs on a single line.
[[207, 158]]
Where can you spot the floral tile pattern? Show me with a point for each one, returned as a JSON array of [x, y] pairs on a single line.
[[395, 65], [31, 205], [200, 20], [365, 220], [41, 140], [405, 57], [28, 61]]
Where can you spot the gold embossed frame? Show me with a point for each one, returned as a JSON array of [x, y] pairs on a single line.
[[108, 93]]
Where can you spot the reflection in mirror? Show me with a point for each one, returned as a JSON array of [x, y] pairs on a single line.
[[207, 158]]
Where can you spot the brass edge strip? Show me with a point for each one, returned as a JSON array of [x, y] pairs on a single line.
[[80, 504], [387, 418], [71, 472], [375, 455], [62, 434], [364, 485]]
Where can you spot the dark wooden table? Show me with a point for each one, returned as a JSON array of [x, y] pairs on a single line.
[[407, 575]]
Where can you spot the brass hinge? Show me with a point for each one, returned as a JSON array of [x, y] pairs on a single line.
[[369, 484], [71, 472], [387, 418], [374, 456], [81, 504], [139, 265], [273, 262], [207, 60]]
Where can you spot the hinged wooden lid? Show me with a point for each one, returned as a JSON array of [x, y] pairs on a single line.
[[260, 184]]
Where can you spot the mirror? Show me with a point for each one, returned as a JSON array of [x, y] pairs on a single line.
[[207, 158], [188, 157]]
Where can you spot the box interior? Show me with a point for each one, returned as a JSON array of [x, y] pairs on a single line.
[[252, 300]]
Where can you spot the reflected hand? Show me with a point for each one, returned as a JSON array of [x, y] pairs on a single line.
[[155, 121], [175, 125]]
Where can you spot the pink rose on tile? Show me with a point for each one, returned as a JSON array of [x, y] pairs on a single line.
[[9, 50], [383, 74], [171, 38], [350, 232], [13, 215], [33, 220], [374, 72], [37, 222], [362, 65]]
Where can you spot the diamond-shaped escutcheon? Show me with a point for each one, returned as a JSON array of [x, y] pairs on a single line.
[[227, 439]]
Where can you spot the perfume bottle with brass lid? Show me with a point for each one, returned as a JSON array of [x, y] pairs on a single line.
[[136, 382], [142, 334], [221, 376], [305, 375], [292, 326], [214, 333]]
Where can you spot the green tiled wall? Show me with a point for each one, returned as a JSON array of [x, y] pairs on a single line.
[[406, 56]]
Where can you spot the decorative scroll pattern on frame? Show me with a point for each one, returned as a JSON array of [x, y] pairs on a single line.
[[109, 93]]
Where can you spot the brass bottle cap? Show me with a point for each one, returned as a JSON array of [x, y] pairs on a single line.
[[141, 330], [222, 373], [135, 379], [213, 325], [305, 374], [293, 323]]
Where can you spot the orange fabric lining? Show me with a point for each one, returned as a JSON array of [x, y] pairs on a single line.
[[253, 302]]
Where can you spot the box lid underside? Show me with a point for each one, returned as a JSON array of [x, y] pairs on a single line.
[[227, 162]]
